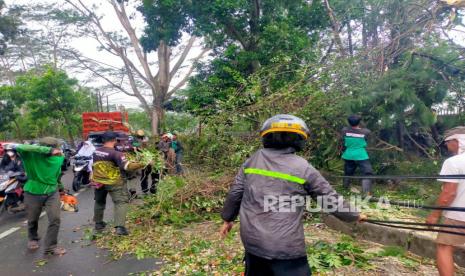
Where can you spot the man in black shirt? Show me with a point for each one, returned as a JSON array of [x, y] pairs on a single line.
[[108, 179]]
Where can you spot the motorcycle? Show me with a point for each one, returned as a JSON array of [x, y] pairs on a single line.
[[11, 193], [81, 172]]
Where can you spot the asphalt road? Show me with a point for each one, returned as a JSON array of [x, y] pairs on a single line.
[[82, 258]]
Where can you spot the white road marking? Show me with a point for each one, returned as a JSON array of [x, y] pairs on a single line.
[[8, 232]]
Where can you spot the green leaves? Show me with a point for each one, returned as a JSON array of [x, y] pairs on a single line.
[[49, 97], [323, 256], [165, 21]]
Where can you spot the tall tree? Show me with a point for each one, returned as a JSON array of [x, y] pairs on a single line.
[[44, 40], [262, 29], [161, 76]]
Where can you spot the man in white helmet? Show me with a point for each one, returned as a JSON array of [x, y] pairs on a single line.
[[273, 237], [453, 195]]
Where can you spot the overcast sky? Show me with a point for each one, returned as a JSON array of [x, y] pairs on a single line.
[[89, 47]]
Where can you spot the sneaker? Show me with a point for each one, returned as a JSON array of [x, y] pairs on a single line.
[[100, 226], [121, 231]]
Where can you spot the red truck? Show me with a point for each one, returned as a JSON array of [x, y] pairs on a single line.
[[104, 121], [94, 124]]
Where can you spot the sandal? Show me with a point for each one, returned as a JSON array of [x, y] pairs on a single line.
[[58, 251], [33, 245]]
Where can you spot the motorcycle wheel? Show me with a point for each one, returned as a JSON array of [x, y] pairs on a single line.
[[77, 182], [2, 208]]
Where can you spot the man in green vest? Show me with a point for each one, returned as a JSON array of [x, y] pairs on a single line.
[[43, 168], [355, 153]]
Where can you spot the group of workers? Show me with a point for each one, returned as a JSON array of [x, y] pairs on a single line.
[[274, 241], [42, 166]]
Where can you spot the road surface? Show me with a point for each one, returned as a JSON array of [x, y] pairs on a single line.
[[83, 258]]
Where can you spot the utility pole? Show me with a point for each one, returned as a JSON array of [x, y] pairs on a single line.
[[90, 100], [101, 102], [98, 101]]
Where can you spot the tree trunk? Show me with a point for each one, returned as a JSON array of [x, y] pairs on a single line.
[[156, 119], [349, 38], [154, 122], [164, 69], [364, 35], [336, 27]]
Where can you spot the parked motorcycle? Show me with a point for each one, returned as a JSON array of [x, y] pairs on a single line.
[[81, 171], [11, 193]]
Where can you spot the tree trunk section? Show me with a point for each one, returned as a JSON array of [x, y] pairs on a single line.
[[336, 27], [349, 38], [157, 118], [164, 69], [364, 35], [154, 122]]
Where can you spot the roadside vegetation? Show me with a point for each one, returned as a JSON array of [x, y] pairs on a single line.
[[179, 228]]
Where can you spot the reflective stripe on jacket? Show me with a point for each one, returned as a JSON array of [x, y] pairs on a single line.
[[274, 173]]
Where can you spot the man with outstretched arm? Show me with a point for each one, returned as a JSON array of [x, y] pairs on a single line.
[[41, 191], [453, 195], [268, 193], [108, 179]]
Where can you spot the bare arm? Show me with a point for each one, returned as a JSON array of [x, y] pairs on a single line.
[[447, 196]]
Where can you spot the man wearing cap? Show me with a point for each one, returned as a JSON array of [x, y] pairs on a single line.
[[164, 144], [453, 195], [43, 167], [108, 179]]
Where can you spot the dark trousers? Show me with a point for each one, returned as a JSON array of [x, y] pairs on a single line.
[[34, 206], [119, 195], [365, 168], [179, 157], [145, 179], [257, 266]]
